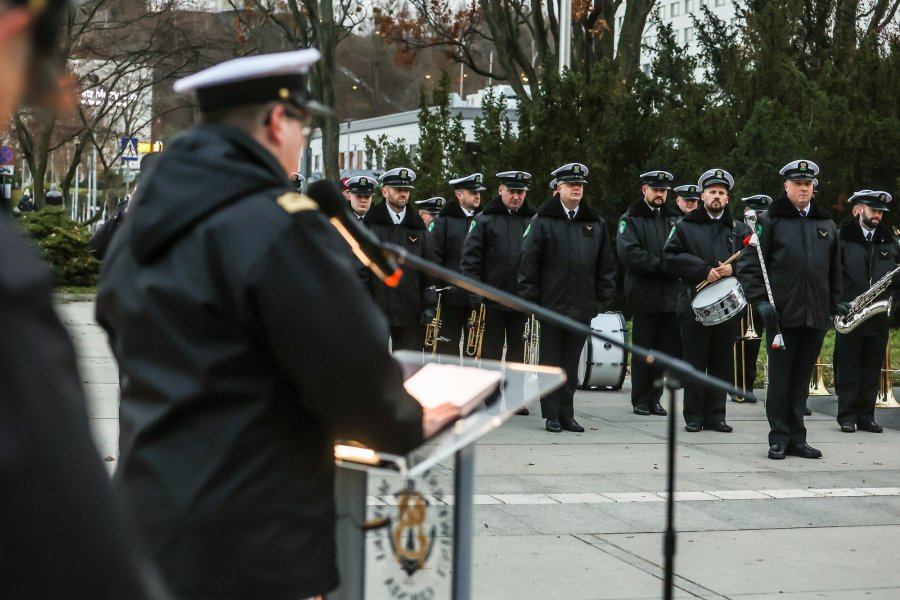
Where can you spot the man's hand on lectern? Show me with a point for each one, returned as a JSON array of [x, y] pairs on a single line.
[[435, 419]]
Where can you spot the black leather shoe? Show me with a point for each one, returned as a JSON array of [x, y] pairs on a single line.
[[723, 427], [692, 427], [553, 426], [523, 411], [641, 409], [871, 427], [807, 412], [804, 451], [776, 452], [571, 425], [657, 409], [848, 427]]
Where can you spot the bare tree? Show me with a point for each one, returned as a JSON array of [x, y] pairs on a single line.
[[524, 34], [303, 24], [116, 52]]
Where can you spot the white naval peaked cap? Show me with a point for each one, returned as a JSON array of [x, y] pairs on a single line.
[[254, 80], [716, 177]]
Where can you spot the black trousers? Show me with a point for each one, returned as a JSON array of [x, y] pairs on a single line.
[[559, 348], [453, 327], [654, 331], [790, 370], [857, 367], [407, 338], [707, 349], [504, 325], [747, 353]]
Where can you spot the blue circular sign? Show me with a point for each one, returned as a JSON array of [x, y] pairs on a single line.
[[6, 155]]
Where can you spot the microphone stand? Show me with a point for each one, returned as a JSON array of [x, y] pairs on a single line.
[[668, 364]]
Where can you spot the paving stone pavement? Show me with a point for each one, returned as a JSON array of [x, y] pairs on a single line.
[[581, 516]]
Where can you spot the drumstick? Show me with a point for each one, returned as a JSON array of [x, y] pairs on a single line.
[[731, 259]]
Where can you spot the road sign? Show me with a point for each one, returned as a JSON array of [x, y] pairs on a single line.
[[6, 169], [144, 147], [6, 155], [129, 149]]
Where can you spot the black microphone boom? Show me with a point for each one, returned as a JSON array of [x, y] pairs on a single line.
[[365, 245]]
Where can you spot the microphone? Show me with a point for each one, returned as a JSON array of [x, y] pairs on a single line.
[[365, 245]]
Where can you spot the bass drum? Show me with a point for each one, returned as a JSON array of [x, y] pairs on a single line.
[[602, 365]]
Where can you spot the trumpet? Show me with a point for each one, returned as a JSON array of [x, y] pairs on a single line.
[[433, 329], [748, 334], [532, 337], [476, 331]]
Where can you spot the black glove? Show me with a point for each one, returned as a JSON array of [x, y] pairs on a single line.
[[767, 313], [842, 308], [428, 316]]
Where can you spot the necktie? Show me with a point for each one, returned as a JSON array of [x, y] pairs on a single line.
[[868, 236], [571, 214]]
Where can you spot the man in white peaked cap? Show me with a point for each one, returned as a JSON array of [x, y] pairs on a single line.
[[228, 299]]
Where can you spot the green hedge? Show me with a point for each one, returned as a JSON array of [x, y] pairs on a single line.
[[63, 244]]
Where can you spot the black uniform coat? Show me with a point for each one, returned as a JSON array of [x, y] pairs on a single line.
[[697, 244], [649, 288], [864, 263], [803, 260], [404, 304], [61, 529], [449, 229], [567, 264], [229, 313], [494, 244]]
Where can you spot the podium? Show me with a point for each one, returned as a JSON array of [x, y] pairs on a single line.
[[412, 543]]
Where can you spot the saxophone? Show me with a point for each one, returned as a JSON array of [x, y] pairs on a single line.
[[864, 307]]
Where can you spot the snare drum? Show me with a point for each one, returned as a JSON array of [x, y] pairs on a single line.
[[602, 365], [719, 302]]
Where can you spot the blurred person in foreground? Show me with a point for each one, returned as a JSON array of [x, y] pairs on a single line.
[[62, 532]]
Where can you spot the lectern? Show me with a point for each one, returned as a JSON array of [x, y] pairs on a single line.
[[411, 542]]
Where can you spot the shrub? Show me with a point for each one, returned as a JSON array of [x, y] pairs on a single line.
[[63, 244]]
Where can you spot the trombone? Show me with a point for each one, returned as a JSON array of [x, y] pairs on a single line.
[[476, 331], [740, 366], [817, 381], [532, 337]]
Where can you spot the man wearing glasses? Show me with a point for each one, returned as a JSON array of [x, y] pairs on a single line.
[[229, 300]]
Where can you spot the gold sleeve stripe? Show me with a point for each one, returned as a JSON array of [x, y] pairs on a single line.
[[293, 202]]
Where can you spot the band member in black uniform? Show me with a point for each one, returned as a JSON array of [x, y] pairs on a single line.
[[566, 266], [429, 208], [747, 350], [698, 250], [651, 292], [686, 198], [491, 254], [868, 253], [360, 190], [449, 230], [802, 256], [233, 311], [411, 304]]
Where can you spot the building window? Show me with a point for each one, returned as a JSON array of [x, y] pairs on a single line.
[[413, 149], [687, 7], [359, 159], [688, 35], [645, 40], [619, 23], [720, 2], [673, 9], [646, 68], [316, 163], [341, 161]]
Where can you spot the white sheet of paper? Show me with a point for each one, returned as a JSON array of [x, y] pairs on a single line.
[[464, 387]]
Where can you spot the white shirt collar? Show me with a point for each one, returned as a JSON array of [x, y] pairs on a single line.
[[866, 231], [467, 212], [719, 218], [805, 211], [566, 210], [397, 216]]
